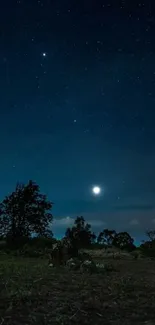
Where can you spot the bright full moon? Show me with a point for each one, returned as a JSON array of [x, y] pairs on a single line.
[[96, 190]]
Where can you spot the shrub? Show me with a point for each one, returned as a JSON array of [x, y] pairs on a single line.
[[41, 242], [147, 249], [15, 243], [3, 244], [83, 256]]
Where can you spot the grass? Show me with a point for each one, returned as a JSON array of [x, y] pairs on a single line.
[[33, 293]]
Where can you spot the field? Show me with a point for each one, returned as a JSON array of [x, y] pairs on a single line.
[[33, 293]]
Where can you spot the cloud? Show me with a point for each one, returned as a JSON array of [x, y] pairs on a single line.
[[66, 221], [60, 225], [69, 221], [96, 223], [115, 218], [134, 222]]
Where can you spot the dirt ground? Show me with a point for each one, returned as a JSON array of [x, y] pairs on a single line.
[[33, 293]]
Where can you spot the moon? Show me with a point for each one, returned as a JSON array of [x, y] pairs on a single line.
[[96, 190]]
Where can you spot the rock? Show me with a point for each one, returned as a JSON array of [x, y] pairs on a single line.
[[88, 266], [73, 263], [51, 265], [100, 265], [87, 262], [70, 262]]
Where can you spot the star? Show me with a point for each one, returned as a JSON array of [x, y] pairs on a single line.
[[44, 54]]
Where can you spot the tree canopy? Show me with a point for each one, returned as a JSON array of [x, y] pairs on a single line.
[[120, 240], [25, 211], [124, 241], [81, 233], [106, 237]]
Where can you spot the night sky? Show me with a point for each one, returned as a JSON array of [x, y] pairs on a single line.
[[77, 108]]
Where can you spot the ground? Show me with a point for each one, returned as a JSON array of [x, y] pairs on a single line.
[[33, 293]]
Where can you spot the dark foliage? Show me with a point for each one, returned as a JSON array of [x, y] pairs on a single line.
[[120, 240], [106, 237], [80, 234], [24, 212], [151, 234], [148, 248], [124, 241]]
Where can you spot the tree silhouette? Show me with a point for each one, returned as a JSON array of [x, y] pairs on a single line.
[[24, 212], [123, 240], [81, 233], [150, 234], [106, 237]]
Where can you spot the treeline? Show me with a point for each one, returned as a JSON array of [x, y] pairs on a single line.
[[26, 212], [106, 238]]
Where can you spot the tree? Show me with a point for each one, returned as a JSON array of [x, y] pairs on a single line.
[[100, 238], [24, 212], [80, 223], [106, 237], [148, 247], [93, 238], [123, 240], [151, 234], [81, 233]]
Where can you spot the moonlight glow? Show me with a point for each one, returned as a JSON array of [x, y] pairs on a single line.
[[96, 190]]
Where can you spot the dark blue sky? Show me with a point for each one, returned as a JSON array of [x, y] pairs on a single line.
[[83, 113]]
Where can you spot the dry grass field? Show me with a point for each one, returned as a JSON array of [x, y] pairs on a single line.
[[33, 293]]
